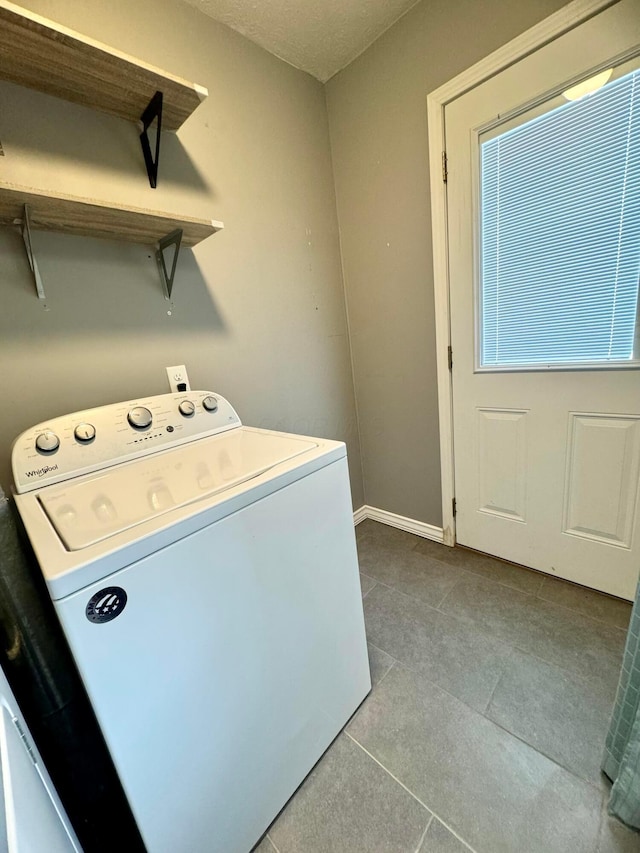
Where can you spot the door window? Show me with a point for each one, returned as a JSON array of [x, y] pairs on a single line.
[[559, 253]]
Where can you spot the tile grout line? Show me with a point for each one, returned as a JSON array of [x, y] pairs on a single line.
[[409, 791], [447, 594], [468, 571], [609, 625], [416, 671], [388, 772], [455, 834], [482, 714], [547, 577], [413, 598], [385, 674], [375, 584], [476, 626], [510, 645], [570, 672], [424, 834], [386, 586], [435, 684], [543, 576], [581, 612], [369, 643], [272, 843], [555, 761], [466, 574], [493, 692], [364, 574], [378, 648]]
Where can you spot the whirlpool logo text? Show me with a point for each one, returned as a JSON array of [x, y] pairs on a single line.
[[40, 472]]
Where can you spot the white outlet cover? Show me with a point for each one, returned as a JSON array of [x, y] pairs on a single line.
[[176, 376]]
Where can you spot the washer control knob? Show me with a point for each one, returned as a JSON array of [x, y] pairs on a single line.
[[47, 442], [140, 417], [186, 408], [210, 404], [84, 433]]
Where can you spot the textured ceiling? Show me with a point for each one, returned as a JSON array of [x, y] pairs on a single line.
[[318, 36]]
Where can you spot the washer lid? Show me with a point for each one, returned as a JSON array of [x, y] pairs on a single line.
[[87, 511]]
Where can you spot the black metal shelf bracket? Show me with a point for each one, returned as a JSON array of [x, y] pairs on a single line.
[[26, 236], [174, 239], [152, 112]]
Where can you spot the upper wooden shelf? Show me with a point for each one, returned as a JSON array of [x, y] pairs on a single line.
[[91, 218], [43, 55]]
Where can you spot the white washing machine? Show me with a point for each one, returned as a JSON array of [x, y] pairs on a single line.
[[206, 578]]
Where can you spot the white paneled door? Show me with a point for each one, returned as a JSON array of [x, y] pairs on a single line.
[[543, 197]]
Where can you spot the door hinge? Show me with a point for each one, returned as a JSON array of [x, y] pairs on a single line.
[[24, 739], [450, 357], [453, 506], [445, 170]]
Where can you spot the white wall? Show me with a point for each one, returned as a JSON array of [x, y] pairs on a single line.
[[258, 311]]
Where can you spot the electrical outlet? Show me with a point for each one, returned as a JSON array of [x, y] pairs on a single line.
[[178, 379]]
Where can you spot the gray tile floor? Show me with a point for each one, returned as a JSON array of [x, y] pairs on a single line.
[[492, 691]]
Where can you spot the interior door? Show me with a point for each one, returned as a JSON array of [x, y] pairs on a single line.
[[546, 423]]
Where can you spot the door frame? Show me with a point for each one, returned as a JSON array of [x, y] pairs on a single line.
[[560, 22]]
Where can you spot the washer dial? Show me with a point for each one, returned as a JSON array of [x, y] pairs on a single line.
[[84, 433], [186, 408], [210, 404], [47, 442], [140, 417]]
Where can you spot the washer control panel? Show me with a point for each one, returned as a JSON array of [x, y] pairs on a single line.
[[93, 439]]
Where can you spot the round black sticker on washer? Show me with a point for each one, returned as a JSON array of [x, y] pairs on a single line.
[[106, 604]]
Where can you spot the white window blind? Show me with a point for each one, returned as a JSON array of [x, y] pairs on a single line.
[[560, 233]]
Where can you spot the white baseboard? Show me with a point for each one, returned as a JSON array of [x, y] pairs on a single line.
[[360, 515], [419, 528]]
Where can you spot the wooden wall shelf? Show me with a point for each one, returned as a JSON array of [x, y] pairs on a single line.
[[33, 209], [46, 56], [43, 55], [91, 218]]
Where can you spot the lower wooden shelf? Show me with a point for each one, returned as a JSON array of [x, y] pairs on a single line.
[[90, 218], [45, 211]]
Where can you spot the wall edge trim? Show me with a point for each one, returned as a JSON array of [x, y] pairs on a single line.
[[360, 515], [401, 522]]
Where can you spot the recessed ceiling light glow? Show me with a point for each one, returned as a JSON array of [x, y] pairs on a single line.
[[588, 87]]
